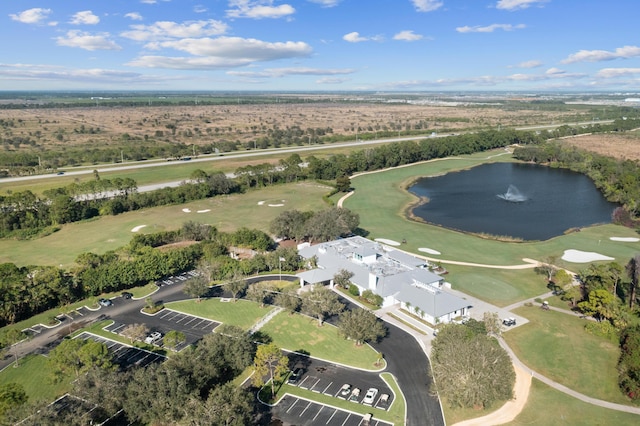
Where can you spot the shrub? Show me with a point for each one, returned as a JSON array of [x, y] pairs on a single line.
[[354, 290], [372, 298]]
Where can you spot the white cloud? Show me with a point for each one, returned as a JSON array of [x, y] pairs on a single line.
[[283, 72], [331, 80], [85, 17], [427, 5], [518, 4], [529, 64], [35, 72], [31, 16], [407, 35], [326, 3], [134, 16], [355, 37], [602, 55], [163, 30], [490, 28], [199, 8], [258, 9], [84, 40], [617, 72], [222, 52]]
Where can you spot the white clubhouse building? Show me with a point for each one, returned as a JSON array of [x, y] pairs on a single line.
[[396, 276]]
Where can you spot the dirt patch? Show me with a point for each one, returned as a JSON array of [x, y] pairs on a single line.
[[624, 146], [177, 245]]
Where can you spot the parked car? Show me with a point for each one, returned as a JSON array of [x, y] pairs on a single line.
[[370, 396], [105, 302], [345, 390], [355, 394], [153, 338], [294, 377], [509, 321], [127, 295]]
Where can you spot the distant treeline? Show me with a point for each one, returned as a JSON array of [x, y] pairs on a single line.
[[24, 214]]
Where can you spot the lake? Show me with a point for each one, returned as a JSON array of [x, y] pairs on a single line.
[[524, 201]]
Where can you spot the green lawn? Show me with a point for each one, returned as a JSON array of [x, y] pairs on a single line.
[[547, 406], [242, 313], [301, 333], [500, 287], [100, 235], [32, 374], [557, 346]]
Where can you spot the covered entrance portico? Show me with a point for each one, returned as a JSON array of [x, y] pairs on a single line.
[[316, 276]]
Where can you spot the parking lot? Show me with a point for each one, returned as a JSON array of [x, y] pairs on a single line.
[[123, 355], [329, 379], [175, 279], [302, 412]]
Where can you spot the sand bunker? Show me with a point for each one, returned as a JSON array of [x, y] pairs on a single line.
[[428, 250], [260, 203], [577, 256], [625, 239], [276, 205], [186, 210], [389, 242], [137, 228], [204, 211]]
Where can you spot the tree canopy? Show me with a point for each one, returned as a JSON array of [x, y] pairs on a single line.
[[361, 325]]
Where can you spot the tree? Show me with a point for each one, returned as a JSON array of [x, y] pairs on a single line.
[[492, 323], [135, 332], [77, 356], [327, 225], [633, 270], [599, 304], [106, 388], [11, 395], [343, 184], [342, 278], [289, 225], [547, 267], [361, 325], [9, 338], [235, 286], [260, 293], [471, 370], [226, 405], [196, 286], [173, 338], [629, 362], [321, 302], [288, 299], [269, 362]]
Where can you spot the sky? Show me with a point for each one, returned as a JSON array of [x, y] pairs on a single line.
[[321, 45]]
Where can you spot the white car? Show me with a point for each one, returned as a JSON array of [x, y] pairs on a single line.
[[345, 390], [153, 338], [370, 396]]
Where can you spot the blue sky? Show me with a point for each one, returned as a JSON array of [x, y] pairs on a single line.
[[309, 45]]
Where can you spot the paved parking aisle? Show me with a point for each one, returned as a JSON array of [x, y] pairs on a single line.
[[124, 355], [187, 321], [302, 412]]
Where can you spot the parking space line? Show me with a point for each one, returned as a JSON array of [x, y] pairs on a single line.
[[165, 314], [345, 420], [314, 385], [325, 389], [303, 380], [294, 403], [305, 408], [182, 317], [192, 320], [331, 418], [318, 413]]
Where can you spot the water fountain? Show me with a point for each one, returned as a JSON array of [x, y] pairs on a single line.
[[513, 195]]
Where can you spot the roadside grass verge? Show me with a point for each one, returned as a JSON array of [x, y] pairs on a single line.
[[226, 213], [301, 333], [500, 287], [547, 406], [557, 346], [242, 313], [98, 329], [33, 374], [397, 411]]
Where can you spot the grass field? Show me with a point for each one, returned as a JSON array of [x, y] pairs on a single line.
[[33, 374], [500, 287], [557, 346], [227, 213], [242, 313], [301, 333], [547, 406]]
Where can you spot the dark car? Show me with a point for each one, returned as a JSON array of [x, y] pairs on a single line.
[[294, 377], [127, 295]]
